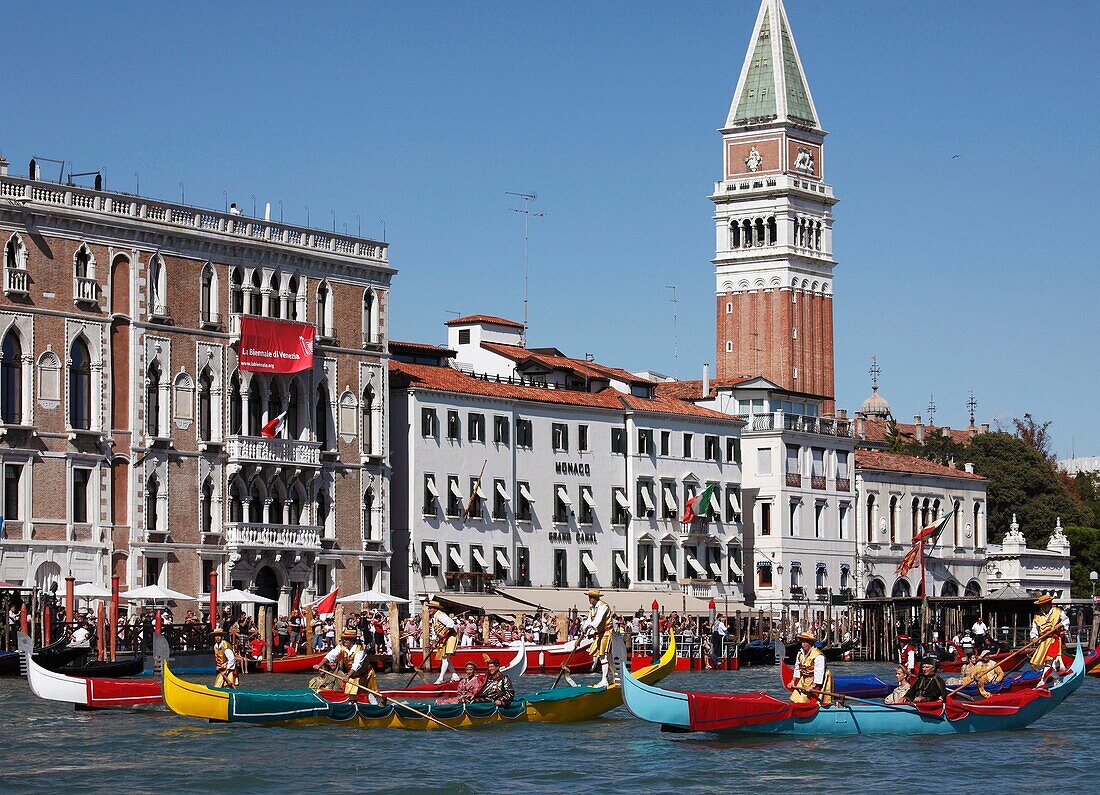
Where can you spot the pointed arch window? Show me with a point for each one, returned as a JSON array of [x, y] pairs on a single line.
[[11, 380], [323, 508], [322, 417], [256, 295], [208, 295], [236, 502], [293, 404], [256, 502], [206, 506], [278, 504], [206, 405], [294, 503], [368, 419], [183, 401], [274, 297], [324, 310], [347, 416], [85, 288], [158, 287], [370, 333], [152, 505], [152, 399], [80, 385], [15, 266], [293, 287], [236, 409], [236, 292], [274, 403], [368, 514], [255, 407]]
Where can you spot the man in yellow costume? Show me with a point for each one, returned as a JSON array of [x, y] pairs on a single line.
[[444, 636], [225, 661], [596, 629], [1052, 622], [350, 656], [812, 680]]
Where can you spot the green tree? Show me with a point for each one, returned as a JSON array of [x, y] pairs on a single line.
[[1084, 544], [1087, 487]]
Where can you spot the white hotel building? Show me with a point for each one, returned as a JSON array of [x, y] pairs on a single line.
[[584, 472]]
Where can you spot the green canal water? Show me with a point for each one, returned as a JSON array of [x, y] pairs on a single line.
[[47, 747]]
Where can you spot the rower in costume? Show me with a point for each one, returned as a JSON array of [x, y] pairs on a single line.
[[444, 641], [350, 656], [909, 654], [597, 629], [225, 661], [1049, 620], [812, 681]]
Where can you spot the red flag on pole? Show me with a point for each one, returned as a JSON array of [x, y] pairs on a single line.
[[326, 604]]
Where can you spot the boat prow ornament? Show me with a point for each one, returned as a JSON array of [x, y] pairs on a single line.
[[161, 652]]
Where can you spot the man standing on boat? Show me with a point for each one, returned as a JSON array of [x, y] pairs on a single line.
[[350, 655], [1052, 622], [909, 654], [445, 640], [225, 662], [597, 629], [813, 681]]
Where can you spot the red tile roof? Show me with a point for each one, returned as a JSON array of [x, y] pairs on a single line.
[[497, 321], [693, 390], [550, 361], [447, 379], [896, 462], [875, 429], [420, 347]]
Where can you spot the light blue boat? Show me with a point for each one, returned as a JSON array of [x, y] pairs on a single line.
[[761, 713]]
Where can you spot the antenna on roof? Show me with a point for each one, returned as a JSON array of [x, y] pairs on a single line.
[[675, 330], [932, 410], [971, 404], [527, 199]]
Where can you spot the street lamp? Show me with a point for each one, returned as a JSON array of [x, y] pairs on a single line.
[[1093, 576]]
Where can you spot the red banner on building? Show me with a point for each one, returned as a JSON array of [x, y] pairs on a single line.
[[274, 346]]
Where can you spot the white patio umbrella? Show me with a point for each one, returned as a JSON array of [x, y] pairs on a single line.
[[154, 593], [236, 596], [372, 596], [89, 590]]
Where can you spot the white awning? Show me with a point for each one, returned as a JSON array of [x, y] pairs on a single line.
[[714, 504], [525, 492], [502, 559], [696, 565], [480, 558], [733, 564], [647, 499], [457, 558], [479, 491], [455, 490], [731, 496], [620, 498], [432, 556], [430, 483], [563, 495], [670, 567], [620, 563], [670, 498], [586, 559], [503, 492], [716, 568], [586, 495]]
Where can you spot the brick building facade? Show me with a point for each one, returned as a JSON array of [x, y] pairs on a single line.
[[131, 441]]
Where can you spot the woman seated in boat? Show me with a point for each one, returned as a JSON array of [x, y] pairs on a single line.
[[468, 687], [898, 694], [969, 671], [497, 688]]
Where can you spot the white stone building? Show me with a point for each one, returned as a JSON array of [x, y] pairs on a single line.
[[1038, 571], [584, 473]]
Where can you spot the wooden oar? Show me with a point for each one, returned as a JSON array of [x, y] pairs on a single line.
[[843, 697], [404, 704], [565, 665], [971, 678]]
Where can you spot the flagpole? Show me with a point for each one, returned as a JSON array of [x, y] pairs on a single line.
[[923, 596]]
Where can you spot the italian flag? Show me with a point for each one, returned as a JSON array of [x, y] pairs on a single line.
[[697, 506], [273, 428]]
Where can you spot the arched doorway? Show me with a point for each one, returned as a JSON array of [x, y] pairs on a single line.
[[973, 589], [901, 590], [267, 584], [48, 577], [876, 590], [949, 588]]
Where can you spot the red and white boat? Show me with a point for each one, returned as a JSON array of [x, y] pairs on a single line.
[[91, 693], [546, 659], [287, 665]]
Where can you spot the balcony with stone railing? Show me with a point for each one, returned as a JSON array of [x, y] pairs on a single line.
[[30, 193], [85, 291], [16, 281], [783, 421], [280, 452], [248, 535], [751, 183]]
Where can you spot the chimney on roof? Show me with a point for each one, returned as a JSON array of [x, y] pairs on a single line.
[[860, 430], [706, 380], [969, 467], [842, 414], [3, 166], [945, 432], [985, 427], [918, 431]]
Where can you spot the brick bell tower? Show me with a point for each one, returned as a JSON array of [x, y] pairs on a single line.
[[774, 223]]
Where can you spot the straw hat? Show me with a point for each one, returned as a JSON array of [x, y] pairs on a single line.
[[809, 637], [349, 634], [434, 604], [1045, 599], [594, 593], [218, 631]]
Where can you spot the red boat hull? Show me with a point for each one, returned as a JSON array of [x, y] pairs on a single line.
[[540, 659], [289, 665], [104, 693], [639, 661]]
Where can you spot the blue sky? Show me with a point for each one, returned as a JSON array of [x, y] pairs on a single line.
[[970, 272]]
